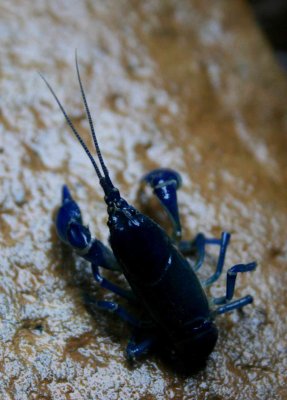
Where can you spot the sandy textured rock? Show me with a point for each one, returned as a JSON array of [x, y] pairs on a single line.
[[189, 84]]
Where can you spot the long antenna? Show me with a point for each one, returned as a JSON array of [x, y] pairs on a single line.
[[97, 147], [69, 122]]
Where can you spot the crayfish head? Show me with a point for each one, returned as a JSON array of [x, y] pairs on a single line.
[[122, 215]]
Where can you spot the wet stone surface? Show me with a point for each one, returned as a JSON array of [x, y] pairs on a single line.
[[189, 85]]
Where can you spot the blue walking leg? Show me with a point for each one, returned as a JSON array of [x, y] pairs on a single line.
[[233, 305], [224, 241], [135, 350], [115, 308], [198, 246], [231, 279], [127, 294]]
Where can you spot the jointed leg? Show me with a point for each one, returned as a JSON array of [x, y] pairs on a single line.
[[234, 305], [115, 308], [136, 349], [225, 301], [231, 279], [127, 294], [223, 243], [194, 247], [198, 246]]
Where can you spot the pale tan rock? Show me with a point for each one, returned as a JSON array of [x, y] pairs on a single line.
[[189, 84]]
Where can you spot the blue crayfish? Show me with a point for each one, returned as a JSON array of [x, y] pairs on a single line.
[[178, 316]]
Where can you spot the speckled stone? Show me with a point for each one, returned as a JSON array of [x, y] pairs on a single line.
[[186, 84]]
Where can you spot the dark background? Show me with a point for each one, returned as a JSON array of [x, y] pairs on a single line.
[[272, 17]]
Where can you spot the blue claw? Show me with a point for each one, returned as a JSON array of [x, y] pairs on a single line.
[[71, 231], [78, 236], [165, 183], [69, 222], [66, 194]]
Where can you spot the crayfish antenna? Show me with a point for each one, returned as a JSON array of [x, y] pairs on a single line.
[[95, 140], [104, 178]]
